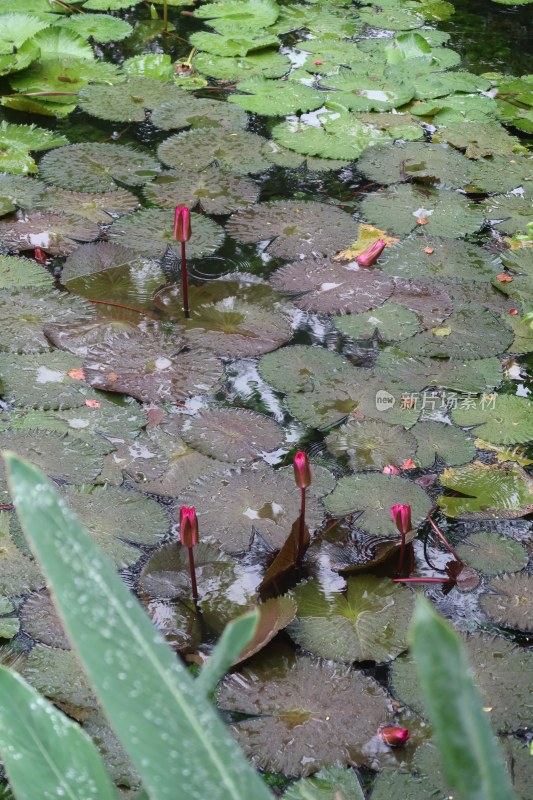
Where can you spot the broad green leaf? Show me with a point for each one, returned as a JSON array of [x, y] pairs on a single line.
[[472, 763], [166, 725], [234, 639], [45, 754], [331, 782]]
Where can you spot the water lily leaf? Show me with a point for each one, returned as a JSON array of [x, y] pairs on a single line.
[[390, 322], [9, 626], [178, 621], [371, 444], [129, 101], [35, 105], [233, 44], [491, 553], [196, 112], [61, 457], [247, 13], [441, 213], [287, 558], [57, 674], [450, 444], [434, 259], [509, 214], [119, 520], [329, 404], [78, 339], [267, 63], [456, 109], [147, 65], [326, 784], [515, 108], [523, 341], [342, 23], [302, 714], [500, 670], [17, 140], [327, 287], [416, 161], [18, 573], [520, 260], [93, 258], [326, 55], [150, 232], [232, 434], [151, 368], [392, 19], [99, 27], [18, 191], [215, 191], [340, 135], [40, 620], [42, 381], [372, 496], [489, 491], [389, 784], [18, 273], [297, 229], [94, 207], [276, 98], [274, 615], [456, 338], [359, 93], [16, 30], [65, 73], [502, 453], [301, 368], [349, 557], [427, 300], [109, 5], [117, 762], [239, 152], [510, 601], [500, 419], [94, 167], [262, 500], [60, 41], [478, 139], [499, 173], [56, 233], [442, 84]]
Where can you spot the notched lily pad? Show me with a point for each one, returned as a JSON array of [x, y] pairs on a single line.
[[431, 163], [325, 784], [130, 101], [498, 418], [494, 491], [18, 573], [371, 444], [18, 191], [239, 152], [100, 27], [214, 191], [268, 63], [492, 553], [437, 439], [478, 139], [62, 458], [431, 259], [232, 434], [94, 207], [199, 112], [276, 98], [43, 381], [390, 322], [55, 233], [20, 273], [40, 620], [510, 601]]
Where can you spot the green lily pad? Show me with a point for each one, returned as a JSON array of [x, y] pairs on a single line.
[[262, 500], [458, 338], [523, 341], [177, 620], [17, 272], [498, 418], [491, 553], [367, 623], [129, 101], [296, 229], [40, 620], [266, 63], [446, 214], [327, 287], [509, 215], [245, 13], [119, 520], [428, 301], [234, 44], [302, 715], [372, 496], [500, 671], [93, 258], [117, 762], [18, 573], [448, 260], [147, 65], [94, 207], [215, 191], [436, 439], [239, 152], [57, 674], [276, 98], [442, 84], [326, 55], [200, 112], [326, 784], [520, 260], [109, 5], [371, 444], [510, 601], [358, 93], [18, 191], [60, 457], [99, 27], [42, 381], [60, 41], [478, 139], [16, 142], [494, 491], [232, 434], [65, 73], [56, 233], [416, 161], [392, 19], [456, 109], [16, 51], [300, 368], [94, 167], [390, 322], [341, 23], [150, 232], [35, 105], [389, 784]]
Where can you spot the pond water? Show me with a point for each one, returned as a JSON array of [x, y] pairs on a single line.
[[300, 135]]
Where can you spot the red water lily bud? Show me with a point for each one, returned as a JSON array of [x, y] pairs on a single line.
[[182, 224], [402, 518], [188, 526], [302, 471], [371, 254], [513, 312], [394, 736], [390, 469], [40, 256]]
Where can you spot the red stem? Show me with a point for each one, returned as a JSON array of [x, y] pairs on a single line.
[[402, 554], [184, 282], [6, 507], [192, 570], [301, 535], [119, 305], [443, 538], [421, 580]]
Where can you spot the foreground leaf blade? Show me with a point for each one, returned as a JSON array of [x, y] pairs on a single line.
[[44, 753], [472, 762], [237, 634], [165, 724]]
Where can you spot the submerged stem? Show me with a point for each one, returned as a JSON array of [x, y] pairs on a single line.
[[301, 535], [444, 539], [192, 571], [184, 280]]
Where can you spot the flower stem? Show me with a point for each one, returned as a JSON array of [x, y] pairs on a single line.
[[184, 281], [192, 571], [301, 535], [402, 554], [444, 539], [420, 580]]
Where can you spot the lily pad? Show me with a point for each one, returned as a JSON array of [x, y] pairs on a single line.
[[442, 213], [18, 191], [147, 65], [94, 207], [500, 173], [456, 337], [234, 44], [117, 763], [390, 322], [17, 141], [99, 27], [215, 191], [60, 457], [326, 287], [325, 784], [367, 623], [337, 23], [298, 229], [232, 434], [478, 139], [9, 625], [302, 715], [119, 520], [258, 499], [499, 418], [151, 368], [178, 621], [300, 368], [53, 232], [59, 41], [197, 112], [92, 258], [17, 49], [493, 491], [492, 553], [431, 303], [151, 231], [438, 259], [436, 439], [94, 167], [371, 444], [509, 214], [410, 161], [18, 273], [18, 573], [372, 496], [360, 93], [60, 73], [40, 620], [267, 63], [43, 381], [245, 13], [510, 601], [57, 674], [276, 98], [393, 19], [130, 101], [239, 152]]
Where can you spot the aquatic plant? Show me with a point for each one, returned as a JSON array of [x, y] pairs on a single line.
[[369, 257], [182, 233], [189, 539], [302, 476], [401, 515]]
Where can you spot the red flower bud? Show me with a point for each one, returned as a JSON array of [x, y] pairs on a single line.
[[390, 469], [182, 224], [371, 254], [188, 527], [513, 312], [394, 736], [402, 518], [302, 472], [40, 255]]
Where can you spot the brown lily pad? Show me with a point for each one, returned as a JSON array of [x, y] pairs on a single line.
[[510, 601], [56, 233]]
